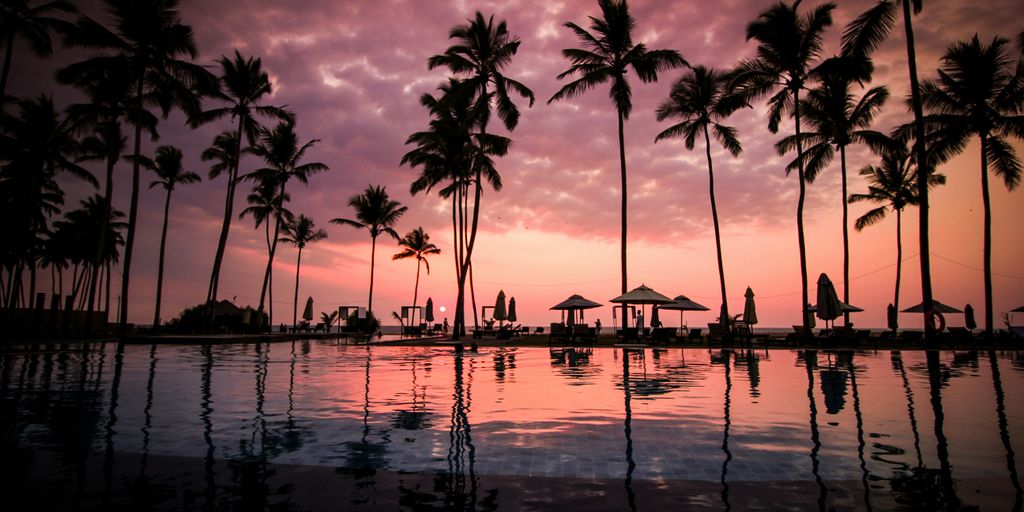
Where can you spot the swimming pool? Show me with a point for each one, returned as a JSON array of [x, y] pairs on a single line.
[[313, 425]]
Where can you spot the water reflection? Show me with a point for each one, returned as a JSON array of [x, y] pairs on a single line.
[[1004, 434], [627, 424], [725, 428], [810, 360]]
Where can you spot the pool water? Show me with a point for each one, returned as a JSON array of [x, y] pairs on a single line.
[[318, 425]]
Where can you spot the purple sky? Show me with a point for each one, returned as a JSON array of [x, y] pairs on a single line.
[[353, 72]]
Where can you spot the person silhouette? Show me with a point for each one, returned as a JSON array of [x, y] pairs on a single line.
[[597, 327], [444, 329]]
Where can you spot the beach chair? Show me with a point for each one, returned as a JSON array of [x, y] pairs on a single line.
[[557, 332], [628, 334], [1017, 331], [662, 335], [539, 330], [694, 334], [320, 327], [718, 332], [799, 335]]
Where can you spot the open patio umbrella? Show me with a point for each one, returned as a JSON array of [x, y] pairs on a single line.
[[749, 310], [307, 314], [641, 295], [512, 310], [936, 306], [574, 303], [429, 314], [1018, 310], [969, 321], [828, 307], [682, 303], [500, 313]]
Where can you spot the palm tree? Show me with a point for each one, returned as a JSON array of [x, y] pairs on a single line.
[[607, 55], [837, 119], [168, 168], [243, 84], [280, 150], [979, 92], [702, 98], [416, 244], [482, 50], [300, 232], [893, 184], [788, 44], [378, 213], [148, 40], [34, 25], [266, 206]]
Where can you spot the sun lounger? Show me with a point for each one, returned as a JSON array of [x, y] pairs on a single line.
[[557, 332], [629, 333], [718, 332], [662, 335], [1017, 331]]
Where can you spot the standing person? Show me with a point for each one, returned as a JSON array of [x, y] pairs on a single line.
[[597, 327], [444, 330], [640, 321]]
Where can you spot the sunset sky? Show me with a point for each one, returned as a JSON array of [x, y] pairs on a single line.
[[353, 71]]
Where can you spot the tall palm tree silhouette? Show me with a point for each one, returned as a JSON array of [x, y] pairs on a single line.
[[702, 98], [149, 40], [243, 84], [893, 184], [837, 119], [607, 54], [978, 92], [33, 24], [788, 44], [416, 244], [301, 232], [482, 50], [167, 166], [280, 150], [267, 207], [378, 213]]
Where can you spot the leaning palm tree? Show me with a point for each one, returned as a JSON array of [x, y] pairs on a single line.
[[267, 207], [607, 54], [32, 24], [149, 40], [280, 150], [243, 84], [300, 232], [168, 168], [837, 119], [482, 50], [788, 45], [703, 98], [378, 213], [893, 185], [416, 244], [979, 92]]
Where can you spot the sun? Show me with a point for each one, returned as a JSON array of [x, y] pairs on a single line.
[[442, 309]]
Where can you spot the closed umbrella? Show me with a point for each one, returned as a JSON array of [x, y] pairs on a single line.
[[969, 322], [829, 307], [749, 310], [500, 312], [429, 314], [655, 321], [307, 314], [512, 310], [892, 317]]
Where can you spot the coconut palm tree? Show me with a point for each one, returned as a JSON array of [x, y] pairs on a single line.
[[149, 40], [416, 244], [482, 50], [837, 119], [243, 84], [280, 150], [300, 232], [788, 45], [703, 98], [607, 54], [893, 185], [266, 206], [979, 93], [378, 213], [167, 166], [33, 24]]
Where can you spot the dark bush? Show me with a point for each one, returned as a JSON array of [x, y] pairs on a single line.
[[217, 318]]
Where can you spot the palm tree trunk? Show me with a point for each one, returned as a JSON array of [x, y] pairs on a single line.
[[373, 259], [988, 234], [899, 259], [846, 238], [295, 307], [106, 294], [472, 296], [416, 289], [714, 219], [160, 266], [108, 191], [622, 248], [7, 67], [800, 212], [923, 171], [270, 259], [133, 217], [229, 205]]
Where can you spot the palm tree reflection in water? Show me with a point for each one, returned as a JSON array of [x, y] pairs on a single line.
[[628, 430], [811, 363], [727, 423], [1004, 435]]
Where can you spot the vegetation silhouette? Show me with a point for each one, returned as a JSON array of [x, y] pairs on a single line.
[[301, 232], [378, 213], [33, 24], [416, 244]]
